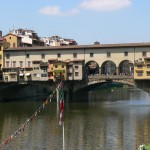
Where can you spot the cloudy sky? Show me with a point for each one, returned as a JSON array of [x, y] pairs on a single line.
[[86, 21]]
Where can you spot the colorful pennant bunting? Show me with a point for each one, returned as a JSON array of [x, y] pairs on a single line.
[[22, 128]]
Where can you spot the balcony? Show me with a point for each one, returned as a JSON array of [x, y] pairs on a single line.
[[139, 62]]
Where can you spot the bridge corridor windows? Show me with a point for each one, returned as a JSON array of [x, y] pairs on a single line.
[[74, 55], [126, 67], [144, 54], [108, 68], [91, 68], [108, 54], [125, 53], [91, 54]]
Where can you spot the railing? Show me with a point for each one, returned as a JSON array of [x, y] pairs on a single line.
[[126, 79], [111, 77]]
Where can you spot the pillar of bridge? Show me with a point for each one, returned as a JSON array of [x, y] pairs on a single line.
[[99, 70], [117, 71]]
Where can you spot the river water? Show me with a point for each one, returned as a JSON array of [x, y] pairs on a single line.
[[113, 118]]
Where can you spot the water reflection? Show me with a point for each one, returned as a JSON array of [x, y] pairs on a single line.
[[115, 119]]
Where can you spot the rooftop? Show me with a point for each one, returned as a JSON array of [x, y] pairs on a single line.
[[97, 46]]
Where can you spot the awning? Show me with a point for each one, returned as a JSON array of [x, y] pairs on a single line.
[[21, 74], [27, 74], [12, 72]]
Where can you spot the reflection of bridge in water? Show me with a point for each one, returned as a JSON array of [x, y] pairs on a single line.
[[124, 79]]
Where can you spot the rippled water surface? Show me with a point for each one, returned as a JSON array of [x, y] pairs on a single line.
[[111, 119]]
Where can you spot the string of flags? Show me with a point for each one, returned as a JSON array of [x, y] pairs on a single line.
[[61, 108], [61, 105]]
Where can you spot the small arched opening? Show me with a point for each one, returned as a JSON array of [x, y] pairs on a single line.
[[126, 67], [91, 68], [108, 68]]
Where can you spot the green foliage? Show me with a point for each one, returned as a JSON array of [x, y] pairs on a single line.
[[147, 147], [144, 147]]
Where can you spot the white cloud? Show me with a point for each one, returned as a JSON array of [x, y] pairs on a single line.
[[105, 5], [98, 5], [55, 11]]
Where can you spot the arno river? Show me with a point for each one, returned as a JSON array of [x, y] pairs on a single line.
[[113, 118]]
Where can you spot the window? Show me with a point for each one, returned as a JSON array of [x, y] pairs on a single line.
[[140, 73], [76, 67], [0, 48], [76, 73], [14, 63], [91, 54], [43, 75], [36, 68], [12, 76], [147, 60], [148, 73], [58, 55], [139, 66], [50, 74], [0, 56], [74, 55], [10, 38], [125, 53], [144, 53], [69, 67], [70, 74], [21, 64], [148, 66], [108, 54], [42, 56], [7, 56], [36, 62], [14, 44], [7, 64], [34, 75], [44, 69], [62, 66], [55, 66], [29, 63], [27, 55]]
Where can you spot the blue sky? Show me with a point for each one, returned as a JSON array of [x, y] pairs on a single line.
[[86, 21]]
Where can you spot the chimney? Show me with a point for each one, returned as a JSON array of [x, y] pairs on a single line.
[[0, 33]]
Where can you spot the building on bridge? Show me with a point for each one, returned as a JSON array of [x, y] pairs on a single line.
[[97, 59], [43, 71], [142, 68], [3, 45]]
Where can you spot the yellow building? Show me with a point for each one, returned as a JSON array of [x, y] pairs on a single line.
[[14, 40], [1, 52], [3, 45], [60, 69], [142, 68]]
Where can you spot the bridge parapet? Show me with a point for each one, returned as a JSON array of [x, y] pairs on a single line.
[[125, 79], [111, 77]]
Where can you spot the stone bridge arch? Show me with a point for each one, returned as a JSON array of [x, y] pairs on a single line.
[[83, 92]]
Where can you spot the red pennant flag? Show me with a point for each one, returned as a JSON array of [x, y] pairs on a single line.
[[61, 105], [6, 142]]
